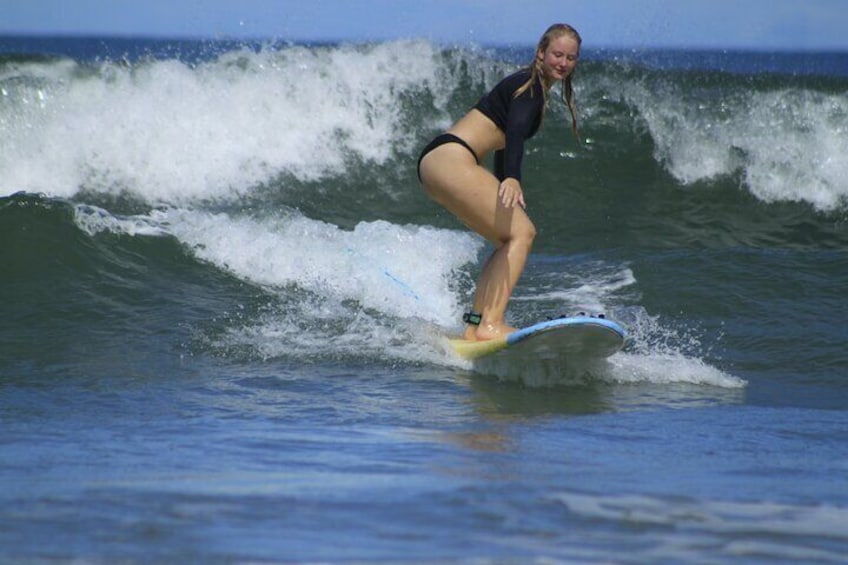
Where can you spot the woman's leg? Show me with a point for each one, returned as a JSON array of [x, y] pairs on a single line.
[[453, 178], [494, 287]]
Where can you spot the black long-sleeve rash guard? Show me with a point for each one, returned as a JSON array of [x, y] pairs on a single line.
[[519, 117]]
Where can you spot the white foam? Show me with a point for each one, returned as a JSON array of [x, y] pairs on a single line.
[[795, 142], [788, 143], [588, 287], [173, 133], [377, 265], [664, 368], [660, 353]]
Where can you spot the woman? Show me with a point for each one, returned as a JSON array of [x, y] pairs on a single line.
[[450, 170]]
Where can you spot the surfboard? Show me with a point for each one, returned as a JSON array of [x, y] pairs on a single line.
[[567, 338]]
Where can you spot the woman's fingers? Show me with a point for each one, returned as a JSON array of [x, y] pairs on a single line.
[[511, 194]]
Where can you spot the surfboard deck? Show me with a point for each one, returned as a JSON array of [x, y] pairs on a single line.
[[583, 337]]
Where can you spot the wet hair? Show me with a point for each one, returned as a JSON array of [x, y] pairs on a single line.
[[554, 32]]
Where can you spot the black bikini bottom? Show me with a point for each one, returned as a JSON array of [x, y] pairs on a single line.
[[441, 140]]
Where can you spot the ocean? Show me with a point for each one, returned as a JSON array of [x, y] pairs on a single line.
[[225, 303]]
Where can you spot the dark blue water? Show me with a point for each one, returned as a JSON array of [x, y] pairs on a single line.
[[225, 301]]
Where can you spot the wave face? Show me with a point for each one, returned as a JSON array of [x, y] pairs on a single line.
[[337, 129], [264, 197]]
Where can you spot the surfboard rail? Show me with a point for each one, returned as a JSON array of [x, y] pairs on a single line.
[[585, 336]]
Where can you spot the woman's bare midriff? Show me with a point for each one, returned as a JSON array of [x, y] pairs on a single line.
[[479, 132]]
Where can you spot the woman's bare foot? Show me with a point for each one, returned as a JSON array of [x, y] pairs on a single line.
[[485, 331]]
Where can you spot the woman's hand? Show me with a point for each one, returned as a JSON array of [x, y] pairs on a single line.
[[510, 193]]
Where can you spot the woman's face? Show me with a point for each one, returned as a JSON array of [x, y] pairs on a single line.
[[560, 58]]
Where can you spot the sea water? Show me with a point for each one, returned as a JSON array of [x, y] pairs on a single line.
[[225, 299]]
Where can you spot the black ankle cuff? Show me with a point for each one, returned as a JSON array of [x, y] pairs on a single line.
[[472, 318]]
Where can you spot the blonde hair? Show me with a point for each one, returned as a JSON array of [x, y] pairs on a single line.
[[552, 33]]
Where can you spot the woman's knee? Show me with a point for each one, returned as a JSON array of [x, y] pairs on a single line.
[[527, 234], [530, 232], [522, 233]]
